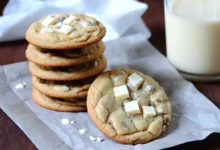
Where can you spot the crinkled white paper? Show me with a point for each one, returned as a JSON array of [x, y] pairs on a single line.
[[194, 116]]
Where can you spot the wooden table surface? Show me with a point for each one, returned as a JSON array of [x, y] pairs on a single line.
[[12, 138]]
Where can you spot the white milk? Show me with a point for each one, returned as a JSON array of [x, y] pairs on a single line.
[[193, 35]]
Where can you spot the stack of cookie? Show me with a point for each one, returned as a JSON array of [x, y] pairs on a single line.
[[66, 55]]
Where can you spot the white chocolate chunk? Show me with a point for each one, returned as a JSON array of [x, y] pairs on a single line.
[[93, 21], [148, 111], [59, 24], [132, 107], [72, 122], [19, 86], [65, 29], [159, 110], [48, 21], [121, 92], [99, 139], [66, 88], [146, 89], [82, 131], [84, 23], [92, 138], [135, 80], [46, 30], [69, 20], [65, 121], [135, 95]]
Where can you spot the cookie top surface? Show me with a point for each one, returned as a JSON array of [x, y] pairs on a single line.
[[128, 106], [65, 31], [47, 57], [63, 89], [75, 72]]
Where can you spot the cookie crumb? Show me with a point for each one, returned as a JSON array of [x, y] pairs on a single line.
[[72, 122], [82, 131], [92, 138], [20, 85], [99, 139], [65, 121]]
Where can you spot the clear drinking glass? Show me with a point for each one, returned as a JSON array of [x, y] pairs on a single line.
[[193, 38]]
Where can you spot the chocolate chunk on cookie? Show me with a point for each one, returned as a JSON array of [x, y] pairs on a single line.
[[128, 106], [47, 57], [65, 31], [64, 105], [75, 72]]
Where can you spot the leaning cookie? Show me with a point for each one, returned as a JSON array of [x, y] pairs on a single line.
[[69, 73], [65, 31], [63, 89], [64, 57], [64, 105], [128, 106]]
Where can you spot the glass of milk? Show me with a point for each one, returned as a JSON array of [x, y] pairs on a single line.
[[193, 38]]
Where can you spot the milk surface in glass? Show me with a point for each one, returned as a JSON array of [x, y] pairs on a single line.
[[193, 35]]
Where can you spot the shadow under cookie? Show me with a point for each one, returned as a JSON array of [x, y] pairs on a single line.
[[63, 105]]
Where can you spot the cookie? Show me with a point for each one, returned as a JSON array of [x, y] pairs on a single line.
[[65, 31], [64, 105], [47, 57], [128, 106], [63, 89], [69, 73]]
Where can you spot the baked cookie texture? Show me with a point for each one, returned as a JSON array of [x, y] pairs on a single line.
[[77, 56], [63, 89], [58, 104], [66, 55], [76, 72], [65, 31], [128, 106]]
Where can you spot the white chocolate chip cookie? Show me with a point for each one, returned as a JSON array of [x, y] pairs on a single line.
[[76, 72], [47, 57], [139, 116], [63, 89], [65, 31]]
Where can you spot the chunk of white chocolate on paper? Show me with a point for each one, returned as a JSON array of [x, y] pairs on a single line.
[[135, 80], [69, 20], [132, 108], [48, 21], [82, 131], [121, 92], [20, 85], [65, 29], [92, 138], [148, 111]]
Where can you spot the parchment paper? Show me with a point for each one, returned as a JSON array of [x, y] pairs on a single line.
[[194, 116]]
